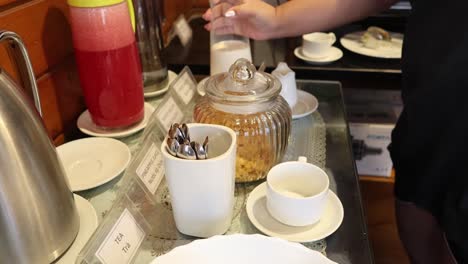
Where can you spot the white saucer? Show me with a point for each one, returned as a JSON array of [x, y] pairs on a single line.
[[333, 55], [392, 50], [88, 223], [171, 75], [306, 104], [87, 126], [91, 162], [263, 221], [201, 86]]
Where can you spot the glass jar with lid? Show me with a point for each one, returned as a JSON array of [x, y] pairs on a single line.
[[248, 102]]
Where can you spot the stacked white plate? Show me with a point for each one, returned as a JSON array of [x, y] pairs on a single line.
[[236, 249]]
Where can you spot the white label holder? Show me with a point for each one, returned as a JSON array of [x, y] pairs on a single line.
[[176, 106], [148, 170], [183, 30], [122, 242]]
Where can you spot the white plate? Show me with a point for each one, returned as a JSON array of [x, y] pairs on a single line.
[[86, 125], [201, 87], [306, 104], [333, 55], [352, 42], [91, 162], [263, 221], [88, 223], [240, 248], [171, 75]]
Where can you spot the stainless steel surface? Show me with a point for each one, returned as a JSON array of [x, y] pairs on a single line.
[[25, 68], [186, 152], [204, 150], [38, 217], [199, 151], [172, 146], [179, 144], [185, 132], [179, 135]]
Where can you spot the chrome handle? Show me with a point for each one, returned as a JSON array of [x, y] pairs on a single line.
[[25, 67]]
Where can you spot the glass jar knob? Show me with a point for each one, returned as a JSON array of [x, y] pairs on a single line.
[[242, 71]]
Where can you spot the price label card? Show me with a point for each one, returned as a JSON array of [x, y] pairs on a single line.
[[185, 87], [150, 169], [169, 113], [183, 30], [122, 242]]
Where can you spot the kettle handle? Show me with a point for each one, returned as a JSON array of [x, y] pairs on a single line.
[[25, 68]]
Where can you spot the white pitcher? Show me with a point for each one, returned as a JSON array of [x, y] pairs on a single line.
[[288, 83]]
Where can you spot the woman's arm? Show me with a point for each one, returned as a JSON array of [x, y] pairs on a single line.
[[259, 20]]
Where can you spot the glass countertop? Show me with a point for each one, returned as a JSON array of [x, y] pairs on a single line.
[[349, 244]]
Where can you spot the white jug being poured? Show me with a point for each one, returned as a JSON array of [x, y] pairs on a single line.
[[287, 78], [225, 49]]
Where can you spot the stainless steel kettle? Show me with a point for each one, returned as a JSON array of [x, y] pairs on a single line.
[[38, 217]]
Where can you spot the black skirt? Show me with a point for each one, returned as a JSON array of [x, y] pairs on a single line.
[[430, 141]]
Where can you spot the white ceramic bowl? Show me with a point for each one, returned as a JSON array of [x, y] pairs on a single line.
[[239, 248]]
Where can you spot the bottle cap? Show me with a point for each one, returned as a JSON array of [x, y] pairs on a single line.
[[93, 3], [102, 3]]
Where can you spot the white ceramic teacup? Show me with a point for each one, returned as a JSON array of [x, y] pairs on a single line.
[[297, 192], [317, 44], [202, 191]]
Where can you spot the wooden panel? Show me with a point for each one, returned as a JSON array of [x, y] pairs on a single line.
[[62, 100], [172, 9], [201, 3], [59, 140], [379, 202], [6, 2], [43, 26], [390, 179]]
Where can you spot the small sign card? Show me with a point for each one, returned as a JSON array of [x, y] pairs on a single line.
[[122, 242], [168, 113], [182, 94], [185, 87], [183, 30], [150, 169]]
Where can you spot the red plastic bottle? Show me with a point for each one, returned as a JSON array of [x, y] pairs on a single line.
[[108, 62]]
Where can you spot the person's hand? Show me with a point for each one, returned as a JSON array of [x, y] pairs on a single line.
[[251, 18]]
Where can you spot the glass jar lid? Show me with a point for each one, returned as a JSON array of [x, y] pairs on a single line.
[[243, 84]]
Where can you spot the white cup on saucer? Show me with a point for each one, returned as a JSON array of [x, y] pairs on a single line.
[[318, 44], [297, 192]]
